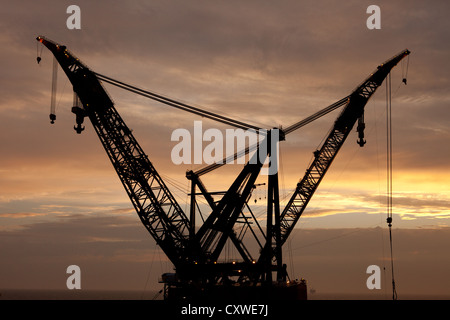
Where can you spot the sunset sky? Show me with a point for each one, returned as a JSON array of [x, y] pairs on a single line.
[[262, 62]]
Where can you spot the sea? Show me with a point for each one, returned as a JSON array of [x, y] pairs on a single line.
[[37, 294], [92, 304]]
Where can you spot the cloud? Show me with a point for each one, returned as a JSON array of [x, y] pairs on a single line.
[[254, 61], [316, 253], [116, 244], [116, 252], [21, 215], [412, 206]]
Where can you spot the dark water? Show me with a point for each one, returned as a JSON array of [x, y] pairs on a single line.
[[372, 296], [15, 294]]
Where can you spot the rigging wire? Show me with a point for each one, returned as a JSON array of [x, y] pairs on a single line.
[[176, 104], [217, 117], [389, 174], [39, 53], [53, 96], [377, 119], [405, 70], [148, 273]]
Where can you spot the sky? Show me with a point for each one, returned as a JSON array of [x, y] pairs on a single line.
[[267, 64]]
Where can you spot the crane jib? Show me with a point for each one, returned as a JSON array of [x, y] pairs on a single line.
[[156, 206], [324, 156]]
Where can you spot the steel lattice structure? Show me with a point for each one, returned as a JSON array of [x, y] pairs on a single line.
[[196, 253]]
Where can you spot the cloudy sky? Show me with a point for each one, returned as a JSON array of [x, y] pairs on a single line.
[[265, 63]]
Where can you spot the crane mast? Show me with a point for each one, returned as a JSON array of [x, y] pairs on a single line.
[[194, 253]]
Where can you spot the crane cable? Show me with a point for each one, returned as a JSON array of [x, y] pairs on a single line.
[[176, 104], [405, 70], [54, 81], [389, 174], [219, 118], [39, 52], [53, 96]]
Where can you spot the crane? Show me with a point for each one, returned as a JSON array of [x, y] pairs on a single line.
[[196, 252]]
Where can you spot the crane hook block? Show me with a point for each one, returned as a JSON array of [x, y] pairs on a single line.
[[360, 129], [79, 128], [52, 118], [80, 114], [361, 142]]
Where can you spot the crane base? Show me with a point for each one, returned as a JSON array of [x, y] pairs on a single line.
[[293, 290]]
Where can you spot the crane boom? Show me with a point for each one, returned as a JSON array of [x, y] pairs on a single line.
[[324, 156], [154, 203]]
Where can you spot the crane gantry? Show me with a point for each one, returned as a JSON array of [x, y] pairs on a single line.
[[196, 252]]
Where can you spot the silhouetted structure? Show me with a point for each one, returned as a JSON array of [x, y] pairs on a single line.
[[196, 254]]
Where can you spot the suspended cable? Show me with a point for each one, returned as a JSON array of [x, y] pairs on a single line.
[[53, 96], [149, 270], [377, 119], [286, 131], [39, 52], [177, 104], [405, 70], [316, 115], [219, 118], [389, 174]]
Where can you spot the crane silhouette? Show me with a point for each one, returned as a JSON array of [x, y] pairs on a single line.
[[196, 252]]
